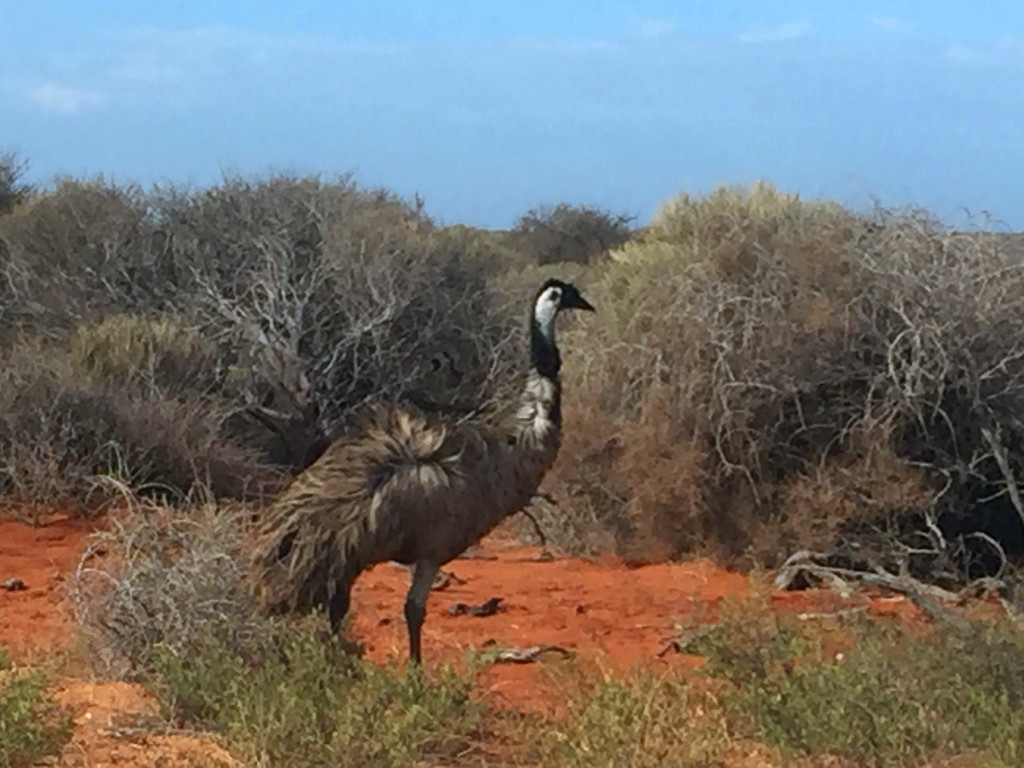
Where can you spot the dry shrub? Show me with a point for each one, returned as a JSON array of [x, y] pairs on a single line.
[[34, 729], [569, 233], [781, 355], [598, 458], [866, 486], [666, 511], [588, 517], [161, 578], [59, 432], [75, 253], [220, 336]]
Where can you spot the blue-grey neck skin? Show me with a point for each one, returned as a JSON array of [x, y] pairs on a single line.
[[540, 413], [544, 355]]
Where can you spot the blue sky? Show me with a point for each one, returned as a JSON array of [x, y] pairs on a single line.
[[486, 109]]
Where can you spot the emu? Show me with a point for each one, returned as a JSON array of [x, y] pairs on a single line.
[[412, 489]]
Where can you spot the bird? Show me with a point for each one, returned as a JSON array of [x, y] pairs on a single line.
[[412, 488]]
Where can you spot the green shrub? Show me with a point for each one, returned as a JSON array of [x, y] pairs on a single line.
[[32, 725], [872, 694], [312, 704], [643, 721], [125, 350], [852, 693]]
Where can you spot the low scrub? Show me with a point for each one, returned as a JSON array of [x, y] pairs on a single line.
[[854, 694], [32, 726], [219, 338], [312, 704], [767, 374], [170, 604]]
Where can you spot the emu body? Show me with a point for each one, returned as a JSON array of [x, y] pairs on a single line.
[[412, 489]]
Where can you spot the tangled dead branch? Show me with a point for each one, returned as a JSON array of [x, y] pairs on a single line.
[[803, 568], [779, 376]]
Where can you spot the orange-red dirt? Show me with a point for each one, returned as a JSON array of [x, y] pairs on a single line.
[[603, 610], [35, 620]]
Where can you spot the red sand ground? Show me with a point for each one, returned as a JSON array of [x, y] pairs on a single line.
[[616, 615]]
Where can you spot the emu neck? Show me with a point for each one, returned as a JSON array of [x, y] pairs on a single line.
[[539, 419], [533, 441], [544, 357]]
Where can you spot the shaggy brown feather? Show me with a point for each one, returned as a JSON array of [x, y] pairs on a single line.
[[412, 489], [339, 516]]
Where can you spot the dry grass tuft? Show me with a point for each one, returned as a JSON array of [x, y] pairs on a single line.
[[160, 580]]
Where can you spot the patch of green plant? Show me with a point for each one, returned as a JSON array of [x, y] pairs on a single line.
[[889, 699], [857, 694], [32, 725], [312, 702], [160, 351], [641, 722], [745, 651]]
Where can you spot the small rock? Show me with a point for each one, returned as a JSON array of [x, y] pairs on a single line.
[[15, 585], [530, 655], [488, 608]]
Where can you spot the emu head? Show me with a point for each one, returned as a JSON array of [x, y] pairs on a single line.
[[554, 296]]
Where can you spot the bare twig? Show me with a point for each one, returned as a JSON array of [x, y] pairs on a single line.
[[995, 443]]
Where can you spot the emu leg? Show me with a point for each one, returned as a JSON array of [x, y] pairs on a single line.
[[338, 607], [416, 605]]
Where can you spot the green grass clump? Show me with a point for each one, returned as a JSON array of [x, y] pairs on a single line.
[[641, 722], [802, 693], [32, 725], [161, 352], [888, 699], [312, 703]]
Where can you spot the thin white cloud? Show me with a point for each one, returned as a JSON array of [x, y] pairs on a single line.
[[65, 99], [1006, 49], [789, 31], [568, 46], [651, 28], [197, 43], [890, 23], [961, 53], [141, 65]]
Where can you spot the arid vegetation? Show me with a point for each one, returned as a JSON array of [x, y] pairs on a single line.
[[32, 726], [832, 688], [769, 375], [767, 381]]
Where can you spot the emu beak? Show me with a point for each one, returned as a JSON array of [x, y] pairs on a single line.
[[581, 303]]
